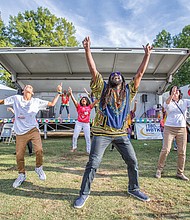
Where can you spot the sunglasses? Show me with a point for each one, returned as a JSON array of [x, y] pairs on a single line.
[[115, 73]]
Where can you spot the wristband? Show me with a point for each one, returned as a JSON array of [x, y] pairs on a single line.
[[59, 92]]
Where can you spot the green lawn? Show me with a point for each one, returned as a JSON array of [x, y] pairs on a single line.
[[53, 199]]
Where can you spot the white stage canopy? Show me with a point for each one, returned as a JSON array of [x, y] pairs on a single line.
[[44, 68]]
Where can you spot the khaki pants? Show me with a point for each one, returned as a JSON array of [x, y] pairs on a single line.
[[21, 142], [181, 139]]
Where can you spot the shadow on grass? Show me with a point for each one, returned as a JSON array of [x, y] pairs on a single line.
[[67, 170], [7, 167], [28, 189]]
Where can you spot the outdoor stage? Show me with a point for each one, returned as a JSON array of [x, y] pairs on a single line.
[[144, 128], [51, 127]]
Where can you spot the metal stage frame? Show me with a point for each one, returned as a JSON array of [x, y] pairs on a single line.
[[51, 125]]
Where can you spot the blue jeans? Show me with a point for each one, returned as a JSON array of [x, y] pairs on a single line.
[[99, 145], [62, 107]]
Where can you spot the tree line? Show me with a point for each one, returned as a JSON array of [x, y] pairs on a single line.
[[43, 29], [181, 40]]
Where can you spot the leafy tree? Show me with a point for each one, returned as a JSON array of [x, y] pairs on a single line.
[[182, 77], [4, 40], [182, 40], [5, 77], [33, 29], [163, 39], [41, 28]]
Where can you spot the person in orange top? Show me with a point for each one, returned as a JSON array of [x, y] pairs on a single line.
[[65, 97]]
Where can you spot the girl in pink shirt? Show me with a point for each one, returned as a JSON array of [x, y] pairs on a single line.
[[83, 120]]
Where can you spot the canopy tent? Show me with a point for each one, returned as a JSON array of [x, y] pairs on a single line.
[[45, 68], [5, 91]]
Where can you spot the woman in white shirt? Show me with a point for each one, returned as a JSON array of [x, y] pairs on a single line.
[[175, 127]]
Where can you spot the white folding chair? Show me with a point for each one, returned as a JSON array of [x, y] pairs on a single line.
[[7, 134]]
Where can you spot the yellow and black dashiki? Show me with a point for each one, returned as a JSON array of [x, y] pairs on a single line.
[[111, 121]]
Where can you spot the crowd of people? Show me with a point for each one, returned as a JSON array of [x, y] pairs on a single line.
[[112, 125]]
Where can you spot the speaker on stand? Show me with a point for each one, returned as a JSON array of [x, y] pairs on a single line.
[[144, 100]]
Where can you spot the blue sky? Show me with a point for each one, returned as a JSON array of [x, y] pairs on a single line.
[[111, 23]]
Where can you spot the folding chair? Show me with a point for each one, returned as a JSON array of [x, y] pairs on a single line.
[[7, 134]]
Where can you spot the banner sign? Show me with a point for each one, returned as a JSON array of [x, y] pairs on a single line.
[[148, 131]]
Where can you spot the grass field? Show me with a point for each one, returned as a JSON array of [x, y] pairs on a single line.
[[53, 199]]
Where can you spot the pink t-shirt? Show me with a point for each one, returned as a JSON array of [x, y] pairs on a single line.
[[83, 113]]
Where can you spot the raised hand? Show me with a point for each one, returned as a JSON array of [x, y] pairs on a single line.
[[86, 43], [59, 88], [70, 90], [174, 90], [148, 48]]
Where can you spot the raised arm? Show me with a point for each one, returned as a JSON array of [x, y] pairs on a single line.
[[54, 101], [169, 99], [89, 58], [87, 92], [94, 103], [143, 66], [72, 97], [135, 107]]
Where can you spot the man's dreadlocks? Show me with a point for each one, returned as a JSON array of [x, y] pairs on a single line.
[[106, 97]]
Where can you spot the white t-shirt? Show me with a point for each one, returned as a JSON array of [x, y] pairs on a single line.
[[25, 112], [174, 116]]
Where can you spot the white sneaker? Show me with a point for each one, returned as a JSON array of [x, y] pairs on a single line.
[[40, 172], [182, 176], [21, 178], [158, 174]]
